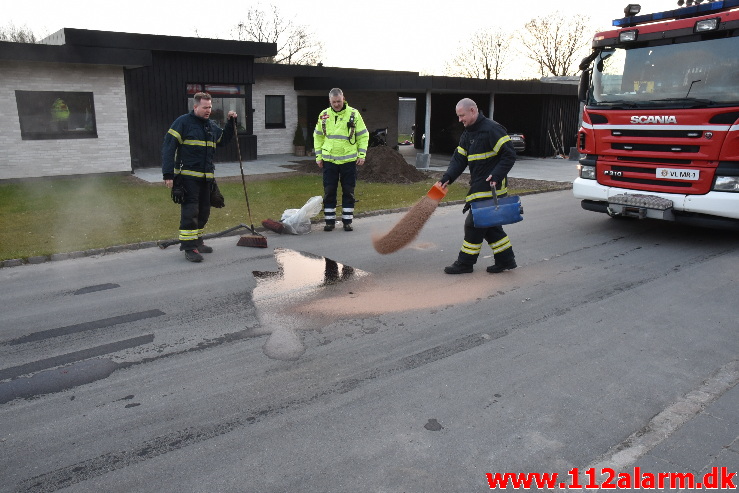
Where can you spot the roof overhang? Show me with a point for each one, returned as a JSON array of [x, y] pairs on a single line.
[[155, 42], [310, 78], [27, 52]]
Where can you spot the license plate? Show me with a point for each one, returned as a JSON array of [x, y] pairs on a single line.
[[678, 174]]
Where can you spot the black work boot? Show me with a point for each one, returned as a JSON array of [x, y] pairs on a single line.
[[500, 267], [193, 256], [458, 268], [348, 227], [203, 248], [329, 227]]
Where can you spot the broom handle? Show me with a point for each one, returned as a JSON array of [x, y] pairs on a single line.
[[243, 180]]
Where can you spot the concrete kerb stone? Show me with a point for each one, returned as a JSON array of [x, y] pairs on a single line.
[[40, 259]]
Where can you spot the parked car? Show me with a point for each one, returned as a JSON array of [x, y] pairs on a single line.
[[519, 142]]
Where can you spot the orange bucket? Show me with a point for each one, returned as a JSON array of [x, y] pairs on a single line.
[[436, 193]]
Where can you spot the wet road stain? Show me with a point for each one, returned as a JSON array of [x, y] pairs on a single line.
[[84, 327], [96, 288], [58, 379], [74, 357], [433, 425], [299, 276], [309, 292]]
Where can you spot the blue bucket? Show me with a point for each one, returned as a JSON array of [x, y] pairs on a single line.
[[496, 212]]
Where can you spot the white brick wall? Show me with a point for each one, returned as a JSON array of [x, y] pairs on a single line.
[[110, 152], [275, 140]]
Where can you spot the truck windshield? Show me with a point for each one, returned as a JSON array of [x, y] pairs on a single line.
[[687, 74]]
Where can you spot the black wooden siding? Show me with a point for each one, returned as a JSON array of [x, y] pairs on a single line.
[[157, 94]]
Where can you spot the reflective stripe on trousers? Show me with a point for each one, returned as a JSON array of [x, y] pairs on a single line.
[[496, 238], [333, 175], [194, 212]]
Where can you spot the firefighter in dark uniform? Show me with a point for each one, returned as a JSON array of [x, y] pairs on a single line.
[[486, 148], [187, 156]]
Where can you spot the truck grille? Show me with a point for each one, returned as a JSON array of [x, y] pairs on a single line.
[[635, 154], [662, 134], [643, 176], [656, 148]]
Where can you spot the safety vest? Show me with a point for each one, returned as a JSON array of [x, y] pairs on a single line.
[[340, 137]]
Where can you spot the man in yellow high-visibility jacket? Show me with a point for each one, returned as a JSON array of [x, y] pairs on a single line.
[[340, 140]]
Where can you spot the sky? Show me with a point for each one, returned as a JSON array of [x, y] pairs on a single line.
[[413, 35]]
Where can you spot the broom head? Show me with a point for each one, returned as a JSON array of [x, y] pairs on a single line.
[[275, 226], [252, 240]]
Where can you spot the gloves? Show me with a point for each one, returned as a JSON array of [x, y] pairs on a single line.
[[216, 198], [178, 192]]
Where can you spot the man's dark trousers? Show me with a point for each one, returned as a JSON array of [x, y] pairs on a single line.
[[333, 174], [194, 212]]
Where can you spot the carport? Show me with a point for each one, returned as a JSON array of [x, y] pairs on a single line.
[[547, 113]]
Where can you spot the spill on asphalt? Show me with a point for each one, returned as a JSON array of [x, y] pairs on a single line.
[[309, 292], [300, 276]]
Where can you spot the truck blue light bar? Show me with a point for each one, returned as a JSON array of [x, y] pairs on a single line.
[[692, 11]]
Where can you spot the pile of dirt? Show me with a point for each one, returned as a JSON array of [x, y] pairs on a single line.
[[386, 165], [382, 165]]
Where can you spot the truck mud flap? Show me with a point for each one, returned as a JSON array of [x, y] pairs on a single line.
[[641, 206]]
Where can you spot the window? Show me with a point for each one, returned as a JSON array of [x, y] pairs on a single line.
[[224, 98], [274, 111], [56, 115]]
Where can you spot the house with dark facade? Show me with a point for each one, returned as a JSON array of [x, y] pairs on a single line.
[[91, 102]]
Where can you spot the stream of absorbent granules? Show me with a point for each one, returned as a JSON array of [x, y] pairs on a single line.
[[407, 228]]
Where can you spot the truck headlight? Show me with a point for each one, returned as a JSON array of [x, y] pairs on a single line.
[[727, 184], [586, 172]]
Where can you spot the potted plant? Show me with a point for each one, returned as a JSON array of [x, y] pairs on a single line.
[[299, 141]]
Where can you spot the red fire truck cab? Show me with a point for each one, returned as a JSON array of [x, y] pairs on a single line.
[[660, 127]]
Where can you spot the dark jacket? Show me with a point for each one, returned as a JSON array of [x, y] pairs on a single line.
[[192, 141], [486, 148]]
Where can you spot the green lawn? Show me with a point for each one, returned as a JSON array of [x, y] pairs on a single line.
[[46, 216]]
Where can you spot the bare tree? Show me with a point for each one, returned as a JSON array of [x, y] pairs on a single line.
[[556, 43], [484, 57], [296, 45], [23, 34]]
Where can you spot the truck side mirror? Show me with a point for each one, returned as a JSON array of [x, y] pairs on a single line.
[[582, 89]]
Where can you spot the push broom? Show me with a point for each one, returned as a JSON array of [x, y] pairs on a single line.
[[253, 239]]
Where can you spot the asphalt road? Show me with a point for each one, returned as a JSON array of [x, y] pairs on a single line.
[[336, 369]]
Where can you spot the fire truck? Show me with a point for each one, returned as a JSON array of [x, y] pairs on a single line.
[[660, 126]]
